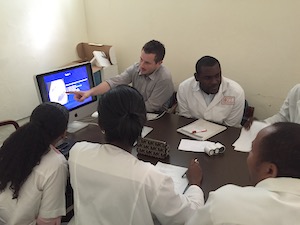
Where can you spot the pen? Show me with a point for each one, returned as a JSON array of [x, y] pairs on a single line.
[[198, 131], [195, 161]]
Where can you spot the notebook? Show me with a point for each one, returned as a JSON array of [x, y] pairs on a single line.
[[201, 129]]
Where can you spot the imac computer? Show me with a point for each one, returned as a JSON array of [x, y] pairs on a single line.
[[52, 86]]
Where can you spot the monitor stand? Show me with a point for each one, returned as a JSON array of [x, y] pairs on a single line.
[[76, 126]]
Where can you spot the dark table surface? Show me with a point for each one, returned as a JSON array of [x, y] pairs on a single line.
[[227, 168]]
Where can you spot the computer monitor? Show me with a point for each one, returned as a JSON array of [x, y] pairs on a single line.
[[52, 86]]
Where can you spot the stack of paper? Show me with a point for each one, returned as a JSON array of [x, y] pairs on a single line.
[[176, 172], [201, 129], [244, 142], [101, 59]]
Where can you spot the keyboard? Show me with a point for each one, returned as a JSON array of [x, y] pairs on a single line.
[[65, 146]]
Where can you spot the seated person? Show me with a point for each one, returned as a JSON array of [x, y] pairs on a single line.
[[210, 96], [111, 186], [149, 77], [274, 169], [290, 110], [33, 173]]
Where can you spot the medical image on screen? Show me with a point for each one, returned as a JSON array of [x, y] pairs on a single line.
[[75, 79], [57, 91]]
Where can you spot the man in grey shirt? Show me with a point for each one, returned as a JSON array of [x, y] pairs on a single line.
[[149, 77]]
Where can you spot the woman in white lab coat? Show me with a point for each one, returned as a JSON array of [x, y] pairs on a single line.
[[33, 172], [111, 186]]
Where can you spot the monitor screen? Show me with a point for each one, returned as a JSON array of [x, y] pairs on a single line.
[[52, 86]]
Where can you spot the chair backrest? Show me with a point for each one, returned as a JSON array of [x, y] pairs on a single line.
[[248, 113], [6, 128], [172, 103], [9, 122]]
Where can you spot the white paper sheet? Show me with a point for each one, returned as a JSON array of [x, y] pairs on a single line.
[[191, 145], [176, 173], [209, 147], [244, 142], [146, 130], [152, 116]]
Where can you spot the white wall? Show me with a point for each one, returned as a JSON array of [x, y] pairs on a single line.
[[257, 42], [35, 36]]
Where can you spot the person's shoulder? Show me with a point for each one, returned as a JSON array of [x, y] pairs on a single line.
[[187, 82], [82, 146], [150, 172], [156, 179], [297, 86], [51, 162], [296, 89], [232, 85], [134, 68], [164, 72], [134, 65], [54, 157], [230, 191]]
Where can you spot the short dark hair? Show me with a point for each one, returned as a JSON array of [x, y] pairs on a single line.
[[122, 114], [206, 61], [157, 48], [282, 147]]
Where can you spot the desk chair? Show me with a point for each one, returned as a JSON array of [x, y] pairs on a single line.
[[9, 122], [172, 103], [7, 127], [248, 113]]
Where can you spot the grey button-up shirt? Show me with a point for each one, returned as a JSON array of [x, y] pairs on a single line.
[[155, 88]]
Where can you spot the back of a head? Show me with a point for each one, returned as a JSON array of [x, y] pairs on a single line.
[[52, 118], [30, 142], [155, 47], [122, 114], [206, 61], [282, 147]]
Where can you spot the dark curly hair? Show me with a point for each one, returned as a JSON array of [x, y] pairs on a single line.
[[24, 148]]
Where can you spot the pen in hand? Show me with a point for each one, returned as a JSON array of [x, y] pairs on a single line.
[[195, 161]]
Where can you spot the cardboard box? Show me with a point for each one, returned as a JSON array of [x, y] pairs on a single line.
[[85, 51]]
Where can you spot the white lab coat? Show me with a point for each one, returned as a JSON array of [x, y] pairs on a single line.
[[290, 110], [42, 194], [111, 186], [273, 201], [227, 106]]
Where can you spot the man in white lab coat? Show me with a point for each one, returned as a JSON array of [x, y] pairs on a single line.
[[274, 169], [290, 110], [210, 96]]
